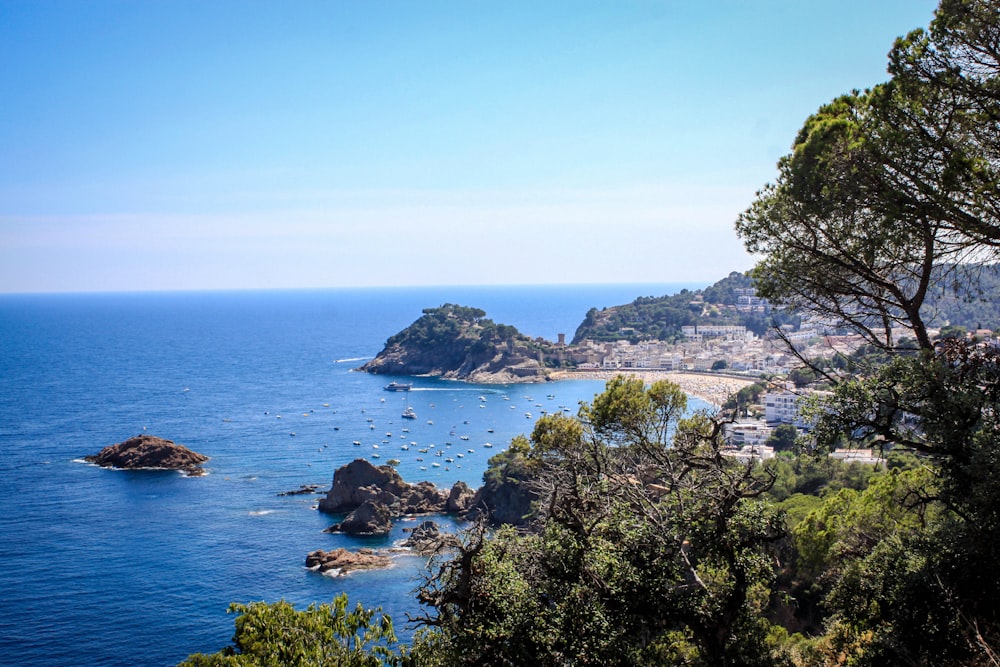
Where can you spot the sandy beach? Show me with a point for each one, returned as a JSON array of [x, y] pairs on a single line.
[[714, 389]]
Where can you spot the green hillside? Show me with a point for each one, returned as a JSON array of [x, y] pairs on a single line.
[[661, 318]]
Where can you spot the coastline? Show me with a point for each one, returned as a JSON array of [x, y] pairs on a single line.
[[713, 389]]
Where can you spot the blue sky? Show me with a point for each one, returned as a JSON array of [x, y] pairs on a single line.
[[234, 144]]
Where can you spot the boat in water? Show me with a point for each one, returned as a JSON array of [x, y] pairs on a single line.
[[408, 413], [398, 386]]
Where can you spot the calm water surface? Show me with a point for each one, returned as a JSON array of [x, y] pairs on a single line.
[[101, 567]]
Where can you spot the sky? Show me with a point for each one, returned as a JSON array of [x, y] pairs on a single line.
[[233, 144]]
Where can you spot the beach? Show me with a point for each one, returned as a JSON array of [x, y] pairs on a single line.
[[713, 389]]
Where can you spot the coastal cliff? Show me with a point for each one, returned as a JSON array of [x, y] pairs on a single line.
[[458, 342]]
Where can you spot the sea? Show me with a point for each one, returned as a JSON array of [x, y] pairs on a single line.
[[111, 567]]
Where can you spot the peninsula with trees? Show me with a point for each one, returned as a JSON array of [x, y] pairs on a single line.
[[646, 545], [727, 326]]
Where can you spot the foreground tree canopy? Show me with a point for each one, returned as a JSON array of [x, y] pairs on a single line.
[[642, 543], [887, 196], [887, 193]]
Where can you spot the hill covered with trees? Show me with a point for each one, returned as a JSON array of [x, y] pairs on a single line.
[[647, 545], [460, 342], [661, 317], [950, 301]]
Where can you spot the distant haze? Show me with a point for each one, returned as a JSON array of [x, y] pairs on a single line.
[[218, 145]]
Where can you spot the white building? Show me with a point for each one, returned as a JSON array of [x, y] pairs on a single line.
[[856, 456], [754, 433], [750, 453], [784, 407], [716, 331]]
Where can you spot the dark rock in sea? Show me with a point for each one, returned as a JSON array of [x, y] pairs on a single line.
[[305, 489], [149, 452], [423, 498], [342, 561], [359, 482], [460, 499], [371, 518], [427, 539]]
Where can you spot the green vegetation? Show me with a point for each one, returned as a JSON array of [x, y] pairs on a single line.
[[643, 544], [459, 342], [640, 553], [661, 318], [455, 332], [278, 635]]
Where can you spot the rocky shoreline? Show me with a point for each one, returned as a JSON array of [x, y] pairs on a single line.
[[371, 498]]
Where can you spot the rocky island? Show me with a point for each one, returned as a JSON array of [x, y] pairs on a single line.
[[148, 452], [372, 496], [460, 343]]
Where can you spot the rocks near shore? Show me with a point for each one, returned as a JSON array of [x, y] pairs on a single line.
[[371, 518], [371, 496], [342, 561], [148, 452], [427, 539]]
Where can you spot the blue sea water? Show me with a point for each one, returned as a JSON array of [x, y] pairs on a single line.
[[104, 567]]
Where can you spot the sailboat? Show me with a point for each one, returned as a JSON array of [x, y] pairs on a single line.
[[408, 413]]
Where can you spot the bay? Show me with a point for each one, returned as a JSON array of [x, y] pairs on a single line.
[[102, 567]]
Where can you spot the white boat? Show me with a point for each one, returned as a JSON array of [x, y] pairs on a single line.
[[398, 386]]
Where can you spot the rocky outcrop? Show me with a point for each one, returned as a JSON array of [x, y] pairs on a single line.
[[460, 499], [458, 342], [509, 503], [303, 490], [342, 561], [371, 518], [359, 482], [148, 452], [427, 539], [372, 496]]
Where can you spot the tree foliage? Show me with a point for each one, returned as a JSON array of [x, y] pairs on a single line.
[[890, 196], [649, 545], [661, 318], [326, 635], [890, 191]]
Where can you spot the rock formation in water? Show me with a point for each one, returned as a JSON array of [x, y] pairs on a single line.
[[359, 482], [149, 452], [460, 499], [371, 518], [427, 539], [458, 342], [372, 496], [342, 561]]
